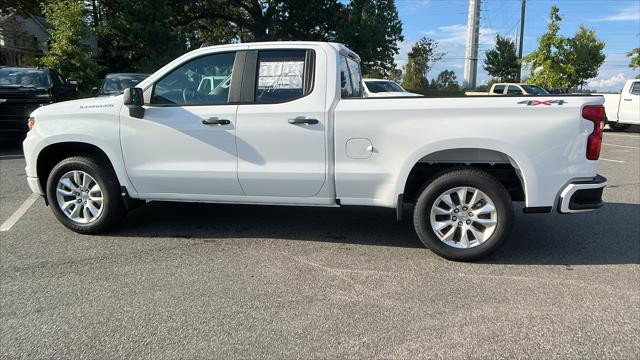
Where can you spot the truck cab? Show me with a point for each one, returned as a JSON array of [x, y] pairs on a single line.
[[623, 110]]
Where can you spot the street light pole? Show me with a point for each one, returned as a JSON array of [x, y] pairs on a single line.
[[522, 11]]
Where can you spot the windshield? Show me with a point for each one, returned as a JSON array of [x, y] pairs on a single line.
[[376, 86], [534, 90], [116, 83], [30, 78]]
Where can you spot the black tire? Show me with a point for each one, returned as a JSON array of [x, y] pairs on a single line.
[[470, 177], [112, 205], [616, 126]]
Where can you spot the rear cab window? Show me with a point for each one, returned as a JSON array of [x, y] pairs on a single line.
[[350, 78]]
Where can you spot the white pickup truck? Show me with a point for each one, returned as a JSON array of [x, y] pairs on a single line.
[[510, 89], [623, 110], [287, 124]]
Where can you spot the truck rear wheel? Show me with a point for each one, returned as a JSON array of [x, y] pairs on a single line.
[[463, 214], [84, 195]]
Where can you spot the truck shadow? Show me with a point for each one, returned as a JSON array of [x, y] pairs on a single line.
[[608, 236]]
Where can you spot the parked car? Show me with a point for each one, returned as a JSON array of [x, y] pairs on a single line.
[[510, 89], [384, 88], [293, 128], [23, 90], [114, 84], [623, 110]]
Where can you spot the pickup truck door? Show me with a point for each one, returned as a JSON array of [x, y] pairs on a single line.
[[185, 143], [629, 111], [281, 125]]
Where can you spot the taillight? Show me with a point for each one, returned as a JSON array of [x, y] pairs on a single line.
[[595, 114], [31, 123]]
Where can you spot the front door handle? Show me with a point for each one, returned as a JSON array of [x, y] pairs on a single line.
[[627, 99], [303, 120], [216, 121]]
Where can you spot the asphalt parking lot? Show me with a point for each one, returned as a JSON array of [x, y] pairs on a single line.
[[222, 281]]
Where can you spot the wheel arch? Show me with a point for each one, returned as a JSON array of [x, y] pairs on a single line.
[[53, 153], [507, 164]]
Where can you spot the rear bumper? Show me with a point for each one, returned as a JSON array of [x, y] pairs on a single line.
[[582, 196]]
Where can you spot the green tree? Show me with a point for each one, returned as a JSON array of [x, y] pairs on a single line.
[[395, 74], [67, 53], [131, 42], [635, 59], [372, 29], [259, 20], [546, 63], [561, 62], [422, 57], [445, 80], [502, 61], [584, 57]]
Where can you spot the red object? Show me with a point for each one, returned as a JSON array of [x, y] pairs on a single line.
[[595, 114]]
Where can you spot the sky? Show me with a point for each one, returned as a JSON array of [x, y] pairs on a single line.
[[617, 22]]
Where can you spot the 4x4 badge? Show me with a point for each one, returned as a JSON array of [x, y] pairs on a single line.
[[542, 102], [2, 101]]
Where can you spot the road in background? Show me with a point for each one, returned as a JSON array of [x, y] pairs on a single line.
[[222, 281]]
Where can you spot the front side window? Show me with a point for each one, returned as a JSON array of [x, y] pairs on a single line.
[[635, 88], [535, 90], [202, 81], [513, 90], [280, 76]]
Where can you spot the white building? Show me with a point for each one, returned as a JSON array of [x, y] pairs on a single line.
[[22, 36]]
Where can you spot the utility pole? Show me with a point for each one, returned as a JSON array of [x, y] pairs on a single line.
[[522, 10], [471, 52]]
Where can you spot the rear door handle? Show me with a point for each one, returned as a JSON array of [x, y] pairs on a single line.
[[303, 120], [216, 121]]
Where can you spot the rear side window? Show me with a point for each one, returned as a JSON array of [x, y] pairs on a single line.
[[356, 77], [635, 88], [514, 90], [201, 81], [350, 78], [280, 76], [498, 89], [346, 90]]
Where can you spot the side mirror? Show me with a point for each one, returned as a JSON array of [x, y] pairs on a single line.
[[94, 91], [72, 84], [134, 99]]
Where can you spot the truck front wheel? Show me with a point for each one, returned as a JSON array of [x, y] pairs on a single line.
[[84, 195], [463, 214]]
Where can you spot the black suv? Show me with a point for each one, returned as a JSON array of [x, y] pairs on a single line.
[[23, 90]]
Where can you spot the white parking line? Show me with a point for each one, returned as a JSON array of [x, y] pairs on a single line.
[[622, 146], [618, 161], [13, 219], [10, 157], [623, 135]]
